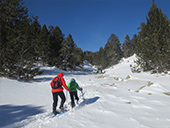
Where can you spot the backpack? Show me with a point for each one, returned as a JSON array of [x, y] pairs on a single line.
[[56, 83]]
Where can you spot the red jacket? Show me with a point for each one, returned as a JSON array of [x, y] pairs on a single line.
[[60, 76]]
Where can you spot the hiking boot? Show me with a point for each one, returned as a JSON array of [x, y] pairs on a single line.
[[55, 112], [73, 104], [62, 109]]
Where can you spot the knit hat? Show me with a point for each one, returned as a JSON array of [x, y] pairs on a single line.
[[73, 80]]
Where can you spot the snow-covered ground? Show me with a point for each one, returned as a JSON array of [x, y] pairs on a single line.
[[116, 99]]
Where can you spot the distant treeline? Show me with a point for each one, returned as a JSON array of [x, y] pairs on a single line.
[[24, 43]]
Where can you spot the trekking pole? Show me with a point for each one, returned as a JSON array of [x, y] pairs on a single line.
[[82, 94]]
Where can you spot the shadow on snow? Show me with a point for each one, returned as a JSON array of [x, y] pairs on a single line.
[[54, 71], [11, 115], [88, 101]]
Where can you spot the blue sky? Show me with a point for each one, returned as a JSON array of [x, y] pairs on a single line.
[[91, 22]]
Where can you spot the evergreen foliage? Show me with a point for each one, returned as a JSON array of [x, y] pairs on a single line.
[[88, 55], [103, 59], [126, 47], [18, 47], [129, 46], [113, 50], [23, 43], [107, 56], [55, 44], [44, 42], [154, 41], [71, 55], [96, 58], [133, 45]]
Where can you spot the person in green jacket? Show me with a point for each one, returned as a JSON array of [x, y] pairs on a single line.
[[73, 86]]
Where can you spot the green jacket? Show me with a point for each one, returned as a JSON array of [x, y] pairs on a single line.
[[73, 86]]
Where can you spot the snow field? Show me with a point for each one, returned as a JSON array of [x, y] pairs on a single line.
[[112, 100]]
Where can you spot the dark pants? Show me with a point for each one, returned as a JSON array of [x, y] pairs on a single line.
[[72, 96], [55, 99]]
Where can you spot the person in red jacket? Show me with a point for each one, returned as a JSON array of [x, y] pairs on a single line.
[[58, 92]]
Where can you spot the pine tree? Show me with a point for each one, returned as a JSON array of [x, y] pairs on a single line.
[[56, 39], [44, 42], [113, 50], [34, 34], [88, 55], [71, 55], [96, 58], [133, 45], [107, 56], [102, 58], [17, 48], [154, 40], [71, 47], [126, 47], [78, 57]]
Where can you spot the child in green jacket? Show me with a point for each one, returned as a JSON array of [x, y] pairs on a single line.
[[73, 86]]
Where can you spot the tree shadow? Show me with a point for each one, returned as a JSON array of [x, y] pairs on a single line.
[[56, 71], [11, 115], [50, 73], [88, 101]]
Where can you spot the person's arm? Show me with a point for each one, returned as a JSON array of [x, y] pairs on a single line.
[[51, 82], [68, 86], [64, 84], [78, 87]]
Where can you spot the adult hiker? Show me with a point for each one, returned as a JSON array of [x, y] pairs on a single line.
[[57, 85], [73, 86], [101, 69]]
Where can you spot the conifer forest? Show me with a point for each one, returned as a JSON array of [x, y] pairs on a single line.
[[25, 45]]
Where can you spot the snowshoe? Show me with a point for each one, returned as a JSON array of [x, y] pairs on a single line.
[[56, 112]]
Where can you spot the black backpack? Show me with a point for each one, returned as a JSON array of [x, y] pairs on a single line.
[[56, 83]]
